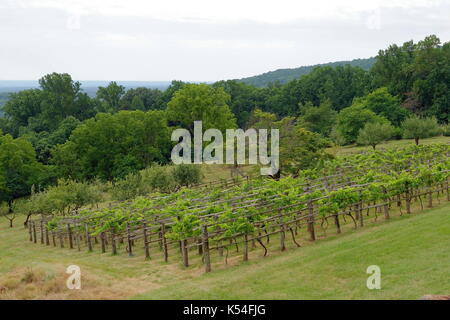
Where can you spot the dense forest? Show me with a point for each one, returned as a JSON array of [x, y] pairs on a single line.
[[286, 75], [57, 131]]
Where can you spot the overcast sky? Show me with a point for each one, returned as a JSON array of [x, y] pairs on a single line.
[[202, 40]]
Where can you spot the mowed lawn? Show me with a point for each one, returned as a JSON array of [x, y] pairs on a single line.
[[413, 252]]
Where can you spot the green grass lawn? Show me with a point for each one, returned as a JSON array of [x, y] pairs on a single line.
[[413, 252]]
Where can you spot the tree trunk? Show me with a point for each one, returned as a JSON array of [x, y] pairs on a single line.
[[417, 141]]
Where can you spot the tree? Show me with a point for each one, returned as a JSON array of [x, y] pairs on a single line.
[[110, 96], [419, 128], [152, 99], [201, 102], [19, 169], [374, 133], [384, 104], [243, 99], [299, 148], [21, 106], [62, 97], [352, 119], [111, 146], [319, 119]]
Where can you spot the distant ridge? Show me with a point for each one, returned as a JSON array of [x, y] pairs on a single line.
[[285, 75]]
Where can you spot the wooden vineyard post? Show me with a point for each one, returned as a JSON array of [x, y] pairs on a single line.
[[184, 251], [447, 190], [430, 197], [102, 238], [282, 232], [245, 257], [359, 210], [69, 232], [77, 239], [34, 232], [41, 231], [47, 239], [130, 244], [311, 220], [386, 206], [61, 240], [408, 201], [113, 244], [206, 257], [30, 231], [164, 242], [146, 244], [88, 237]]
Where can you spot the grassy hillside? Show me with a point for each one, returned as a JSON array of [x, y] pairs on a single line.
[[285, 75], [412, 251]]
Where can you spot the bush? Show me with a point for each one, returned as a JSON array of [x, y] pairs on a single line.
[[446, 130], [159, 178], [187, 174], [130, 187]]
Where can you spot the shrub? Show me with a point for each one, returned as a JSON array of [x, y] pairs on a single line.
[[187, 174]]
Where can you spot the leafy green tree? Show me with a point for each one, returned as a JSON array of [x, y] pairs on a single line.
[[299, 149], [319, 119], [21, 106], [111, 146], [352, 119], [19, 169], [152, 99], [201, 102], [110, 97], [243, 99], [374, 133], [137, 104], [420, 128], [384, 104], [62, 97], [394, 68]]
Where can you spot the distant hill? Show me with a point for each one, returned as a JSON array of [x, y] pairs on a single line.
[[285, 75]]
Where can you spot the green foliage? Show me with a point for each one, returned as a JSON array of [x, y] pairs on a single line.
[[384, 104], [352, 119], [446, 130], [159, 178], [419, 128], [187, 175], [375, 133], [319, 119], [286, 75], [113, 145], [110, 96], [419, 73], [201, 102], [19, 169]]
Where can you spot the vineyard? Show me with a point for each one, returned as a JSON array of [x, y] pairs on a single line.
[[214, 223]]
